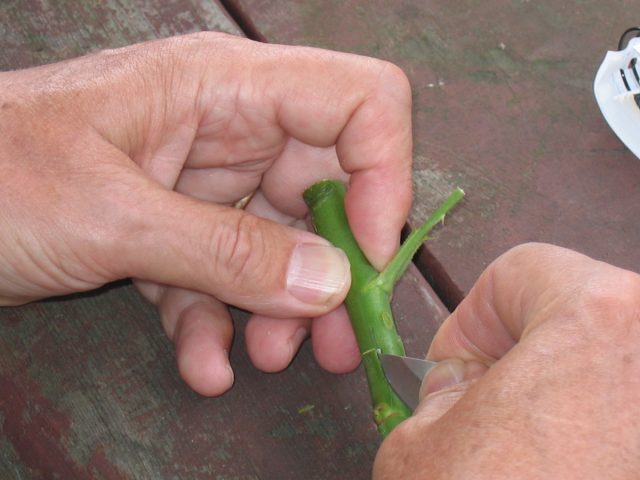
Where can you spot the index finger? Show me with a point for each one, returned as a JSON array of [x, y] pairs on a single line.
[[363, 107], [530, 285], [375, 147]]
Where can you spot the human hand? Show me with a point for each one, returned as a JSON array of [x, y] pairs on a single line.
[[126, 163], [540, 379]]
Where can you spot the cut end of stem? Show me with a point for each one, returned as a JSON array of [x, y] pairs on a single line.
[[321, 190]]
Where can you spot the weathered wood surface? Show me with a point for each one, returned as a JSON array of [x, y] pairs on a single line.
[[89, 390], [504, 108], [88, 385], [34, 32]]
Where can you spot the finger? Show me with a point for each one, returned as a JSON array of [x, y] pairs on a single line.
[[449, 373], [230, 254], [334, 343], [299, 166], [239, 101], [367, 113], [261, 207], [375, 148], [226, 186], [150, 290], [219, 185], [273, 342], [444, 385], [203, 338], [201, 328], [321, 98], [523, 288]]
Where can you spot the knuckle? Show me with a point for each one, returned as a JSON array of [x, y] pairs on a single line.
[[395, 75], [601, 295], [614, 295], [185, 47], [516, 257], [527, 250], [207, 36], [393, 79], [530, 258], [239, 249]]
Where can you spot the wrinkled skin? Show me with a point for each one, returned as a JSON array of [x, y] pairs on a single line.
[[127, 163], [541, 378]]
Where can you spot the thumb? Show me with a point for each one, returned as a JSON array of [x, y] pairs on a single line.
[[444, 385], [241, 259]]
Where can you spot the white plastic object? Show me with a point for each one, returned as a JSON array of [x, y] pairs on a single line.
[[617, 90]]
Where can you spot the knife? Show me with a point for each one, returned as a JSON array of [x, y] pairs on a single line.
[[405, 376]]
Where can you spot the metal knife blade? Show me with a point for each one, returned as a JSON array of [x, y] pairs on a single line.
[[405, 376]]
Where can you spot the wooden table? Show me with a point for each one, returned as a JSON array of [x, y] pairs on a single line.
[[502, 106]]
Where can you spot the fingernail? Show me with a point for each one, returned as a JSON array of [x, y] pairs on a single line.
[[230, 375], [444, 375], [317, 273]]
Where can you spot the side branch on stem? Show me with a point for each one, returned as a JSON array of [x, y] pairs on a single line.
[[369, 300]]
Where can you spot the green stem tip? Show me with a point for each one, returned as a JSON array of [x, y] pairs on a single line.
[[398, 265]]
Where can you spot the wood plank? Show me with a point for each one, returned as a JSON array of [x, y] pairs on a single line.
[[503, 106], [89, 389], [34, 32], [88, 384]]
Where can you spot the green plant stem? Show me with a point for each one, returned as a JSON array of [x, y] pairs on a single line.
[[402, 259], [369, 299]]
